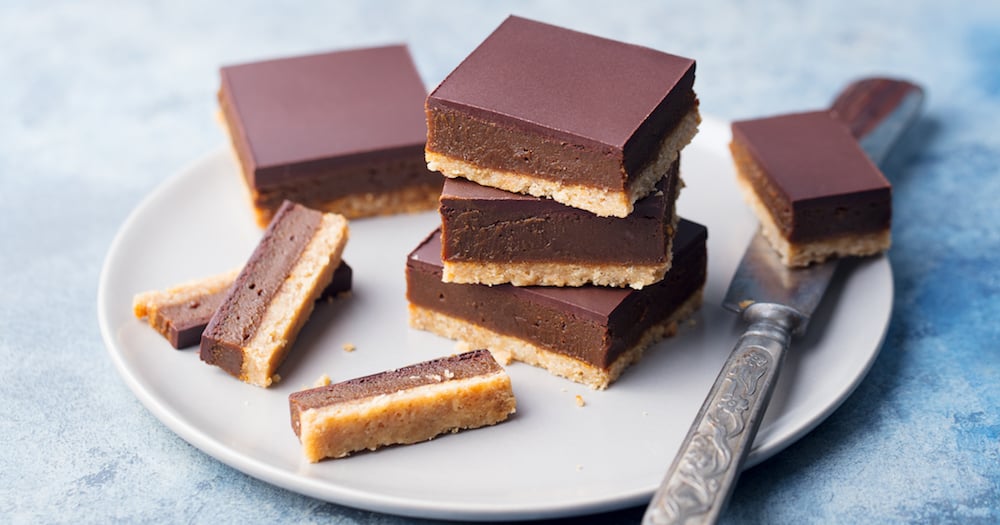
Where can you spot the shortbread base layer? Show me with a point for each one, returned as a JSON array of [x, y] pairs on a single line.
[[506, 348], [801, 254], [410, 199], [406, 416], [554, 274], [604, 202]]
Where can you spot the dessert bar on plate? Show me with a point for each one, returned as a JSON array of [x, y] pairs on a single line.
[[403, 406], [538, 109], [589, 334], [258, 321], [491, 236], [815, 191], [342, 132]]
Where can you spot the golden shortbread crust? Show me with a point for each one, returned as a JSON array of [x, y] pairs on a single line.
[[553, 274], [407, 199], [406, 416]]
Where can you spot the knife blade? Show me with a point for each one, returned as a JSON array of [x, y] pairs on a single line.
[[776, 302]]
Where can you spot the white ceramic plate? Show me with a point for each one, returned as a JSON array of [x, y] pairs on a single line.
[[553, 458]]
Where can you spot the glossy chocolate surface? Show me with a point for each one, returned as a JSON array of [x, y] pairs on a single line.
[[186, 322], [590, 323], [490, 225], [235, 322], [303, 116], [814, 168], [608, 100], [456, 367]]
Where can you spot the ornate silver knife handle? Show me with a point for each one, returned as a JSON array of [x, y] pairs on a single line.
[[698, 482]]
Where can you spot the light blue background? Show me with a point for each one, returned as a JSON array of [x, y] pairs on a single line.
[[101, 101]]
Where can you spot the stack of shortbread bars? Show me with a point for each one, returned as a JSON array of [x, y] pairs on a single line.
[[559, 244]]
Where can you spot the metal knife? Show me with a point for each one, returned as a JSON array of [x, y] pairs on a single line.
[[777, 302]]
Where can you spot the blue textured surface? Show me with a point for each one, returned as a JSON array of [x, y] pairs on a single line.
[[101, 101]]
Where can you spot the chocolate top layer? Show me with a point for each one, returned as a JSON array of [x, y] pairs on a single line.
[[810, 157], [589, 302], [235, 322], [568, 85], [325, 110], [455, 367]]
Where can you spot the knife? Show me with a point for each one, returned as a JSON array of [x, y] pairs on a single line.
[[776, 302]]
